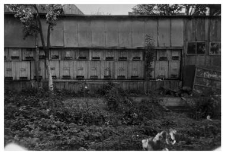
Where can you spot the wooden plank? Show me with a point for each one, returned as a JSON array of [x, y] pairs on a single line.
[[94, 70], [13, 33], [164, 32], [81, 69], [15, 54], [136, 70], [125, 33], [175, 55], [200, 60], [70, 33], [96, 54], [84, 33], [161, 69], [190, 60], [121, 69], [57, 35], [107, 70], [216, 61], [66, 70], [215, 30], [68, 54], [112, 33], [138, 33], [174, 69], [151, 29], [177, 30], [54, 66], [98, 33], [190, 30], [200, 29]]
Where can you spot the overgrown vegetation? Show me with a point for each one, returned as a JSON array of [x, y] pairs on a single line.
[[40, 120]]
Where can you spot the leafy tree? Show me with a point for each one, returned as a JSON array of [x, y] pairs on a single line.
[[175, 9], [29, 16]]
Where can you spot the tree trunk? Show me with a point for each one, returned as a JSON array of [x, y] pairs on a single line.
[[50, 81], [46, 49]]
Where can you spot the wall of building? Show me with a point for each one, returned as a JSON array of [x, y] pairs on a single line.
[[112, 47]]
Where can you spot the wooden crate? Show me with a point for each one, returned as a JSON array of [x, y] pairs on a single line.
[[94, 69], [28, 53], [54, 66], [107, 70], [41, 70], [55, 54], [174, 69], [68, 54], [81, 69], [161, 69], [136, 70], [96, 54], [15, 54], [66, 69], [22, 70], [121, 69], [9, 71]]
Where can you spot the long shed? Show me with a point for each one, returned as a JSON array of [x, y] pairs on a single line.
[[96, 49]]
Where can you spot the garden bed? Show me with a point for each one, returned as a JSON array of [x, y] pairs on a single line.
[[42, 121]]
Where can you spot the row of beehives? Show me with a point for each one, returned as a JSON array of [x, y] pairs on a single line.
[[27, 54], [25, 70]]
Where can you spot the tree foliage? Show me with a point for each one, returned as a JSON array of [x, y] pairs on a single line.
[[175, 9], [29, 16]]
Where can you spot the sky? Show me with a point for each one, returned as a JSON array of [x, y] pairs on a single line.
[[106, 9]]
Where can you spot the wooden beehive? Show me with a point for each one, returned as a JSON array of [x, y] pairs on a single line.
[[66, 69], [121, 69], [69, 54], [54, 67], [161, 69], [96, 54], [28, 53], [174, 69], [22, 70], [107, 70], [9, 71], [94, 69], [81, 69], [15, 54], [41, 70], [136, 70]]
